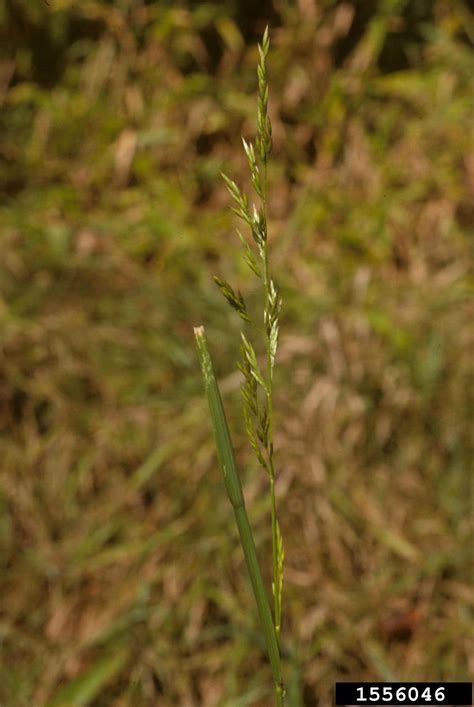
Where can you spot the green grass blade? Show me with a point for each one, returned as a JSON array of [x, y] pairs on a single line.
[[225, 453], [85, 688]]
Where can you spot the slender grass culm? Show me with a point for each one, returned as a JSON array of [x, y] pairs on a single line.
[[257, 386]]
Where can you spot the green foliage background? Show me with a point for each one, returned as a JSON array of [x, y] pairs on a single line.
[[122, 580]]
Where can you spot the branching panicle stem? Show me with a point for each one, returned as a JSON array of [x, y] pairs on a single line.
[[257, 388]]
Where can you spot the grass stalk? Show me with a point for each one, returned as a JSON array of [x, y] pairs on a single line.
[[257, 388]]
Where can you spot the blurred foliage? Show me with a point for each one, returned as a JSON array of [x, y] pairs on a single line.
[[121, 579]]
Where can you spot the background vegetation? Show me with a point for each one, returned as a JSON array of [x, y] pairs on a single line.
[[122, 580]]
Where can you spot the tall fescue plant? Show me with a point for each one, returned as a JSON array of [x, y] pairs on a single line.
[[257, 386]]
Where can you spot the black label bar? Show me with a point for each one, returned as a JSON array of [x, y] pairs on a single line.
[[403, 693]]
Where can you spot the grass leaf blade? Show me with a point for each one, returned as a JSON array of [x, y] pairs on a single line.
[[225, 453]]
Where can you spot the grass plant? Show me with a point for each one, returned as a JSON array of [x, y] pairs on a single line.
[[257, 387], [119, 566]]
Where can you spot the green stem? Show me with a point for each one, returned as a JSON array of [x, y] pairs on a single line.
[[266, 281], [261, 599]]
